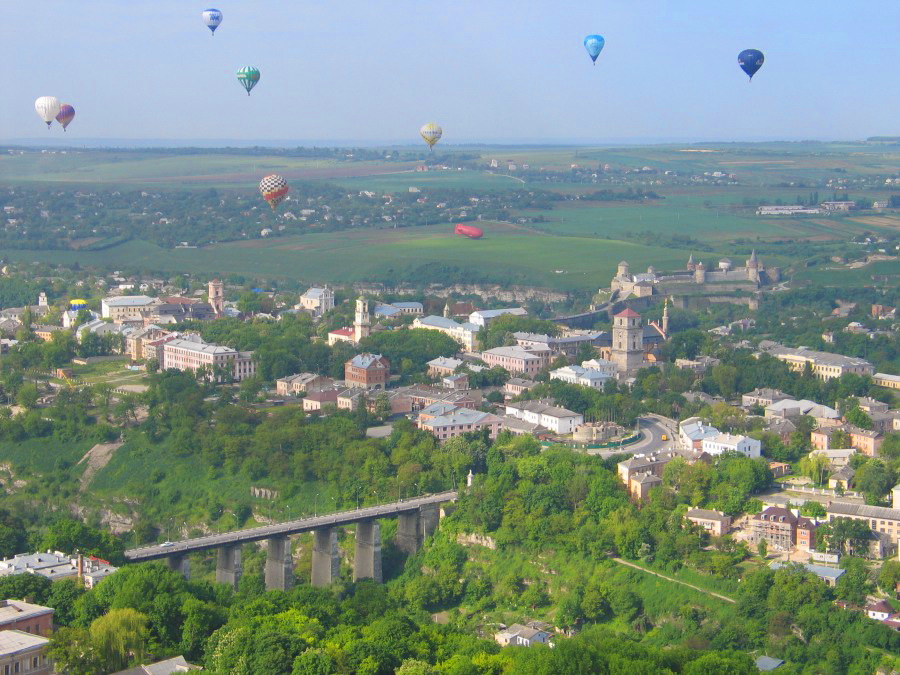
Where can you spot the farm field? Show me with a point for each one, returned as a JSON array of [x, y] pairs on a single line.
[[410, 254]]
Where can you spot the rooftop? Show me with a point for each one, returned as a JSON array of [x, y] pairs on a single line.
[[819, 570], [542, 409], [16, 641], [368, 361], [862, 510], [15, 610], [706, 514], [128, 301], [199, 347], [628, 313], [513, 352]]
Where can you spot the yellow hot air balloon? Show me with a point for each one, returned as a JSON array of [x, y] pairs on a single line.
[[431, 133]]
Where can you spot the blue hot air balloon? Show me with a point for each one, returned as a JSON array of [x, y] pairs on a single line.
[[212, 18], [594, 45], [751, 60]]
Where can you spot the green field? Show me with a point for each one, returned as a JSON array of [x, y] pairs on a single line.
[[576, 246], [365, 255]]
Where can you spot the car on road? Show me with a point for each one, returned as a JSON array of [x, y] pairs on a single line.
[[665, 437], [166, 544]]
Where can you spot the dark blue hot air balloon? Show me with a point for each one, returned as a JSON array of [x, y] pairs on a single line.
[[751, 60], [594, 45]]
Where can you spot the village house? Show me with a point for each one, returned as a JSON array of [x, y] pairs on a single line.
[[580, 375], [315, 401], [517, 635]]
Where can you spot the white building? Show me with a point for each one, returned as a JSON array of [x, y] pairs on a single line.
[[716, 445], [466, 334], [692, 432], [125, 307], [317, 300], [603, 366], [586, 377], [557, 420], [483, 317]]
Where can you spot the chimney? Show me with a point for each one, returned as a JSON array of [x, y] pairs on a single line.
[[80, 567]]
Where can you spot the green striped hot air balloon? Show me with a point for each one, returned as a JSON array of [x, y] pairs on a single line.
[[248, 76]]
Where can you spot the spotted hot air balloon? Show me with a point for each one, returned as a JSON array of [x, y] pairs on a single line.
[[274, 189], [594, 45], [66, 115], [750, 61], [248, 76], [431, 133], [47, 108], [212, 18]]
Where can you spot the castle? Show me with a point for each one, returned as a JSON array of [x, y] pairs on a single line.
[[695, 279]]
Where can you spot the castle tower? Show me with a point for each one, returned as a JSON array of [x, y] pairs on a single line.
[[691, 265], [753, 267], [622, 270], [700, 273], [217, 296], [665, 318], [42, 300], [361, 324], [627, 342]]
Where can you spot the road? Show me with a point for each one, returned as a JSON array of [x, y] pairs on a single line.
[[675, 581], [653, 428], [289, 527]]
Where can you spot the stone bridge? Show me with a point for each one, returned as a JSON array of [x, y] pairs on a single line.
[[417, 518]]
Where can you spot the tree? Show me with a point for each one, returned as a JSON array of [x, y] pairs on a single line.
[[73, 652], [762, 548], [889, 576], [27, 397], [875, 479], [119, 636], [813, 509], [815, 467], [382, 407], [725, 377]]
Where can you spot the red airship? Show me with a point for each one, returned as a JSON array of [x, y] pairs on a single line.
[[469, 231]]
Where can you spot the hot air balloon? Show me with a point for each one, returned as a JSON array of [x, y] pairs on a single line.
[[431, 133], [212, 18], [274, 189], [47, 108], [751, 60], [594, 45], [248, 76], [469, 231], [66, 115]]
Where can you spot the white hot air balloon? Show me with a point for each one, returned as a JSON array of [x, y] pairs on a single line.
[[431, 133], [47, 108]]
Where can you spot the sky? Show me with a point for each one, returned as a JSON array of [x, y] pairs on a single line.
[[488, 71]]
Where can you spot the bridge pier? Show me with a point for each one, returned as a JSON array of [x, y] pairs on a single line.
[[325, 560], [367, 557], [279, 564], [228, 565], [179, 563], [407, 539], [413, 528]]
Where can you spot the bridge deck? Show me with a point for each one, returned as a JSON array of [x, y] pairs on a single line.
[[289, 527]]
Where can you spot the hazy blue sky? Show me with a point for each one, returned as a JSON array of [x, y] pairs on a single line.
[[486, 70]]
